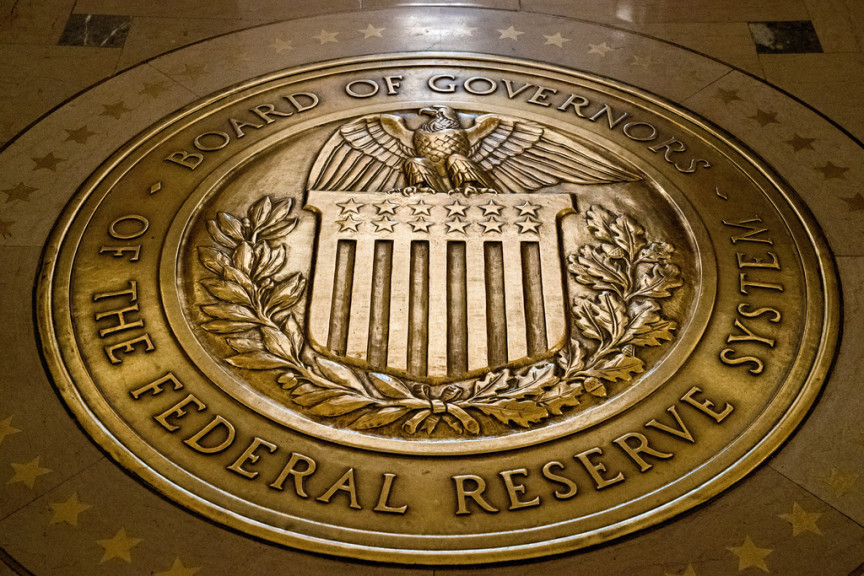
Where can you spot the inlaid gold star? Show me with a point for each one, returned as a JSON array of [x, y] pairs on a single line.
[[555, 40], [842, 483], [764, 118], [118, 547], [5, 226], [238, 58], [727, 96], [349, 224], [420, 224], [855, 203], [194, 71], [799, 143], [802, 521], [600, 49], [456, 225], [463, 30], [153, 89], [47, 162], [643, 62], [751, 555], [689, 571], [386, 224], [115, 110], [178, 569], [386, 207], [456, 209], [510, 33], [831, 170], [6, 429], [350, 205], [324, 37], [27, 473], [280, 45], [371, 32], [19, 192], [528, 225], [420, 207], [68, 511], [81, 135]]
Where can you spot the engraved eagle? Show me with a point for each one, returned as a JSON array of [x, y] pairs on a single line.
[[494, 154]]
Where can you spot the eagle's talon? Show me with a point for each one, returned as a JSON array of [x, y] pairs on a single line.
[[409, 190], [472, 190]]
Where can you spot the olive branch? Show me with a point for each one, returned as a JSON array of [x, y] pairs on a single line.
[[630, 275], [256, 298]]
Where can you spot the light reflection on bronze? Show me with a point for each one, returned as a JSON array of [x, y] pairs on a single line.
[[437, 310]]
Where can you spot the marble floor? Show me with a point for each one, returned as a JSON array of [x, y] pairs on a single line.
[[78, 78]]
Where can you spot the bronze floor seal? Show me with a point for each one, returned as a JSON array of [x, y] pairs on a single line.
[[437, 309]]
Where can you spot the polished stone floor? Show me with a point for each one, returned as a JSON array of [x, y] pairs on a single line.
[[786, 77]]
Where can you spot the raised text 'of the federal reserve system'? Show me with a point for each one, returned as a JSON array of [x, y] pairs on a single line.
[[437, 309]]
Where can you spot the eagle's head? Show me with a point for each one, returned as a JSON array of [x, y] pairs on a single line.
[[443, 118]]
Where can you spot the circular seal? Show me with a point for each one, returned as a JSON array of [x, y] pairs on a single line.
[[437, 309]]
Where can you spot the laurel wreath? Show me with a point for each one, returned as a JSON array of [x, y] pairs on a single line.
[[255, 311]]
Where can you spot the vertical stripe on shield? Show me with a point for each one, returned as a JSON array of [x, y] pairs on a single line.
[[442, 309], [496, 315], [379, 308], [457, 310], [418, 306], [340, 305], [532, 286]]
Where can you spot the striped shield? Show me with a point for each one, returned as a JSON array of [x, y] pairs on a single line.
[[437, 286]]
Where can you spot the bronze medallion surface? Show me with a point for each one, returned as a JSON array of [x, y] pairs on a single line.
[[437, 309]]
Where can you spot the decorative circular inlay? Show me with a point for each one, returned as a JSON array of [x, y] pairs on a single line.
[[437, 309]]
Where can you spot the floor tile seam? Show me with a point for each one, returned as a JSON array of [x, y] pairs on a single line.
[[784, 92], [814, 495], [824, 53], [846, 17], [94, 49], [809, 17], [117, 68], [235, 15], [837, 125], [59, 33], [252, 21], [53, 489], [683, 101], [650, 22], [13, 564]]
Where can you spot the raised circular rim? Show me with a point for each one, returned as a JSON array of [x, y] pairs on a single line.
[[753, 446]]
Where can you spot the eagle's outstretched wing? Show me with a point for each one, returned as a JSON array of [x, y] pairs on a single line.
[[364, 154], [523, 156]]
